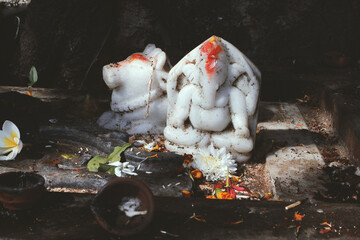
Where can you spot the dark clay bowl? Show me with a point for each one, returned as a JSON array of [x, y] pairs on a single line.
[[20, 190], [106, 206]]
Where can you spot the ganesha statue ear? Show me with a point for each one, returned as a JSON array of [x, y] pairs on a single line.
[[138, 102], [213, 95]]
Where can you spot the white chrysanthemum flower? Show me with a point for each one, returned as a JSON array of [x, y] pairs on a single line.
[[214, 163], [9, 141], [123, 168]]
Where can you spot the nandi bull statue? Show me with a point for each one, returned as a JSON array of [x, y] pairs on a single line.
[[138, 101], [213, 95]]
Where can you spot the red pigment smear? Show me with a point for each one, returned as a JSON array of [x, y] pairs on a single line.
[[133, 57], [212, 50], [138, 56]]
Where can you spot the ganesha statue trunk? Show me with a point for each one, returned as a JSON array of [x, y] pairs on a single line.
[[213, 95]]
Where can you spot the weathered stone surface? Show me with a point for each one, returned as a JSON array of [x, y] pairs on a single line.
[[68, 216], [294, 163], [342, 102], [292, 160], [61, 152]]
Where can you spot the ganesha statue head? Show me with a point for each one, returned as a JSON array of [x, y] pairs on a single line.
[[213, 96], [138, 100]]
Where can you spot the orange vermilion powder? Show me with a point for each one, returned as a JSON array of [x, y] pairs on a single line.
[[212, 50], [137, 56]]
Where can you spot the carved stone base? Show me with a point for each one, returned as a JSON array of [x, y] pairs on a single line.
[[182, 149], [136, 122]]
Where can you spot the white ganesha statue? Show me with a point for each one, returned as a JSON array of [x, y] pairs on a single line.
[[138, 102], [213, 96]]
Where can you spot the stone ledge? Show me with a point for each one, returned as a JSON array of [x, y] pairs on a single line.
[[68, 216], [342, 101]]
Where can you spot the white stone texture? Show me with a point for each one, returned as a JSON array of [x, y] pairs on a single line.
[[138, 100], [213, 96]]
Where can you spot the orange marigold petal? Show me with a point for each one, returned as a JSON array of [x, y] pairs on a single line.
[[155, 148], [224, 195], [325, 223], [196, 174], [233, 223], [186, 193], [210, 197], [298, 217]]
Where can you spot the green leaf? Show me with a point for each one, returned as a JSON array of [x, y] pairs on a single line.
[[115, 156], [33, 76], [97, 161], [94, 164], [107, 168]]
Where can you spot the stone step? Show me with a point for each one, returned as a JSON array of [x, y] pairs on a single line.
[[294, 163], [68, 216]]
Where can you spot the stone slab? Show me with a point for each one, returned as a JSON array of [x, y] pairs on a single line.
[[294, 163]]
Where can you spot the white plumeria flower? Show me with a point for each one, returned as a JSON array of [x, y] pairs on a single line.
[[214, 163], [123, 168], [9, 141]]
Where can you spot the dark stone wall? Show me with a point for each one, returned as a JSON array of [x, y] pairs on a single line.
[[70, 40]]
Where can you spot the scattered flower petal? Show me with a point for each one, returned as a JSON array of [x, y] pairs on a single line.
[[320, 211], [232, 193], [123, 169], [155, 148], [298, 217], [210, 197], [149, 146], [224, 195], [326, 224], [237, 188], [267, 196], [186, 193], [199, 219], [233, 223], [196, 174]]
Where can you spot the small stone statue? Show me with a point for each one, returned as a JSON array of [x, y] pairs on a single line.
[[213, 97], [138, 103]]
